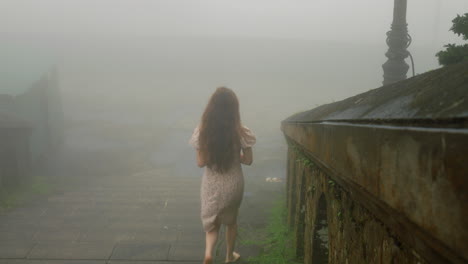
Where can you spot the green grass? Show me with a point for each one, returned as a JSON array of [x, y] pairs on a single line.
[[11, 198], [276, 239]]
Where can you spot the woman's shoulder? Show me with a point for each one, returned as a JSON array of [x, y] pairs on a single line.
[[194, 138], [248, 138]]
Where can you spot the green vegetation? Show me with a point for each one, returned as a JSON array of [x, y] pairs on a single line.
[[36, 187], [456, 53], [277, 241], [305, 161]]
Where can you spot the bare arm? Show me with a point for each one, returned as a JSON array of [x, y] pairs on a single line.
[[200, 161], [246, 156]]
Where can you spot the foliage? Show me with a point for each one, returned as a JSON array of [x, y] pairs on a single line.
[[305, 161], [456, 53], [11, 198], [460, 26], [453, 54], [278, 242]]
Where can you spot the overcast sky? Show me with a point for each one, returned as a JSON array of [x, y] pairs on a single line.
[[363, 21]]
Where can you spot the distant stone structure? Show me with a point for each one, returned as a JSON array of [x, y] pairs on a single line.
[[14, 149], [31, 126], [381, 177]]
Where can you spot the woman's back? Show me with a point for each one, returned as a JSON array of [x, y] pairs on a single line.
[[222, 144]]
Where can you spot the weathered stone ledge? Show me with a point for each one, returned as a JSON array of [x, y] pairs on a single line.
[[399, 155], [412, 179]]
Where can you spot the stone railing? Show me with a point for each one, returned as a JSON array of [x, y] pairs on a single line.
[[382, 190]]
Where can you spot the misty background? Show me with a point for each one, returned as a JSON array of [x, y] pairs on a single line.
[[136, 75]]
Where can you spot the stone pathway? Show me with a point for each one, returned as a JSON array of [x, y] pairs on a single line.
[[143, 218]]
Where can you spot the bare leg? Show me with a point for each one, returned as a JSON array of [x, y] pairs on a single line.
[[231, 233], [211, 238]]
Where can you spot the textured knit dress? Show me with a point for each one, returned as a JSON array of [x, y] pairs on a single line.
[[221, 194]]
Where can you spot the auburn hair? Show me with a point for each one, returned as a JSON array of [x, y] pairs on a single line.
[[220, 130]]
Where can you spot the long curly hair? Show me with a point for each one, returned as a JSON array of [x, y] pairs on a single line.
[[220, 130]]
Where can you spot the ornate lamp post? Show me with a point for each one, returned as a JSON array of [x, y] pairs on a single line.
[[398, 40]]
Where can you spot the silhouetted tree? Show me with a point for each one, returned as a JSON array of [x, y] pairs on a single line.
[[456, 53]]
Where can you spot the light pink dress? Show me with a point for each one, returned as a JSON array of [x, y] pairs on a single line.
[[221, 194]]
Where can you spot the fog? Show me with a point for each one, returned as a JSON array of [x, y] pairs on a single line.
[[144, 69], [361, 21], [135, 76]]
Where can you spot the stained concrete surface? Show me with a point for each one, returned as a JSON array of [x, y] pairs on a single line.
[[143, 217]]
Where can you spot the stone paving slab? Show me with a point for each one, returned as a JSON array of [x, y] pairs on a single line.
[[186, 251], [15, 249], [71, 251], [105, 236], [155, 236], [141, 251], [48, 261], [57, 234], [17, 235], [194, 236], [126, 220], [151, 262]]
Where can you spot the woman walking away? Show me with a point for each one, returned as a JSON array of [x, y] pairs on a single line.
[[222, 144]]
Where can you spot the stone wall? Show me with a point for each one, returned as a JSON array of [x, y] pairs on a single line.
[[355, 235], [41, 107], [386, 170], [31, 128], [14, 151], [14, 156]]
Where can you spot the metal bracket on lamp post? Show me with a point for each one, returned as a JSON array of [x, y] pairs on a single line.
[[398, 40]]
